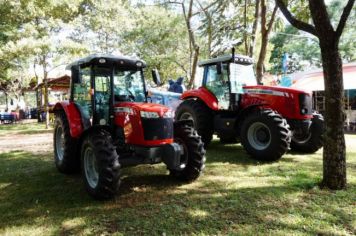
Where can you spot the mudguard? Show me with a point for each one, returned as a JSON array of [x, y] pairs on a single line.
[[203, 94], [73, 115]]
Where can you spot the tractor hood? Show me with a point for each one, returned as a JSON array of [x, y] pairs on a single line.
[[138, 107], [273, 90], [290, 103]]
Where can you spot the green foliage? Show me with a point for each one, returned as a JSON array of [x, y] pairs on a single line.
[[304, 48], [160, 38]]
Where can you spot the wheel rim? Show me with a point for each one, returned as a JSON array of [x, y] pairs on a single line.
[[184, 156], [90, 167], [301, 138], [59, 143], [259, 136]]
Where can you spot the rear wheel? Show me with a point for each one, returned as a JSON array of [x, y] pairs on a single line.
[[193, 156], [265, 135], [100, 165], [311, 141], [65, 147], [201, 116]]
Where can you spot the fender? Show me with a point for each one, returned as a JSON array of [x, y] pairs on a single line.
[[203, 94], [73, 115]]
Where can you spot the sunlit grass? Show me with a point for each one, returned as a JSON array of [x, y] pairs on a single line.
[[235, 196], [24, 128]]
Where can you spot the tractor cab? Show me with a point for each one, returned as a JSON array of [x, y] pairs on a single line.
[[101, 81], [225, 77], [108, 124]]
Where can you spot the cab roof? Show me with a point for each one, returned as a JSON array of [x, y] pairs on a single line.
[[108, 59], [239, 59]]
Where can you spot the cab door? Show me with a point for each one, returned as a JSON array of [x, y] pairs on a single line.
[[217, 82], [102, 95]]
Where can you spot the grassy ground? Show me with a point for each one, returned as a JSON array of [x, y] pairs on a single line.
[[236, 195], [23, 128]]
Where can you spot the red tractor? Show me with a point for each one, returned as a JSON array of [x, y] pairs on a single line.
[[108, 124], [266, 120]]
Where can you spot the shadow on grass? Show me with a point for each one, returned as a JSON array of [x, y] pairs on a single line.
[[34, 194], [231, 153]]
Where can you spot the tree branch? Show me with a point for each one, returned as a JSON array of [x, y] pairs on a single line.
[[269, 27], [205, 8], [295, 22], [343, 18]]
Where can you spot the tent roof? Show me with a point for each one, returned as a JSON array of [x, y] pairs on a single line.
[[314, 80], [57, 84]]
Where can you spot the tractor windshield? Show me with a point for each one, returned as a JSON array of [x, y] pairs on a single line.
[[129, 86], [241, 75]]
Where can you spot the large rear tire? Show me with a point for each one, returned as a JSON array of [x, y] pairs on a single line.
[[100, 165], [265, 135], [311, 141], [201, 115], [193, 157], [65, 147]]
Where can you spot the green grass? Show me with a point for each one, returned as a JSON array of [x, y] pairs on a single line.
[[235, 196], [23, 128]]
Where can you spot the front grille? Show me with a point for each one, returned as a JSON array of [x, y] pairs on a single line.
[[305, 104], [157, 128]]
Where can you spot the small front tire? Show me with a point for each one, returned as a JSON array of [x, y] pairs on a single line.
[[100, 165], [193, 157]]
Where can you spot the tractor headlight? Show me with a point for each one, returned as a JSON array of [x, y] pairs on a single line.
[[168, 114], [149, 114]]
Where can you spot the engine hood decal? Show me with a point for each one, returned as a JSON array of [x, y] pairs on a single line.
[[130, 107], [266, 91]]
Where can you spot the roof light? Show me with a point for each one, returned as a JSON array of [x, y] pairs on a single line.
[[102, 60]]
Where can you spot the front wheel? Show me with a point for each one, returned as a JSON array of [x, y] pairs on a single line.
[[193, 155], [265, 135], [312, 140], [100, 165]]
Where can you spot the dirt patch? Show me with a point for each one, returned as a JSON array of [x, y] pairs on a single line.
[[35, 143]]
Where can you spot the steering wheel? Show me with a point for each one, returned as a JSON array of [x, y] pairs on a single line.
[[124, 98], [132, 96]]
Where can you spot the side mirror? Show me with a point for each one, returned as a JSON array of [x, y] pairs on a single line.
[[156, 78], [219, 68]]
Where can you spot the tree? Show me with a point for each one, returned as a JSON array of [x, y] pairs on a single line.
[[34, 35], [304, 48], [303, 51], [160, 38], [231, 23], [334, 154], [266, 27]]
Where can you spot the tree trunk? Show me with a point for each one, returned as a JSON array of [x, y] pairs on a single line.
[[245, 28], [194, 68], [254, 29], [7, 102], [261, 59], [265, 30], [334, 155]]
